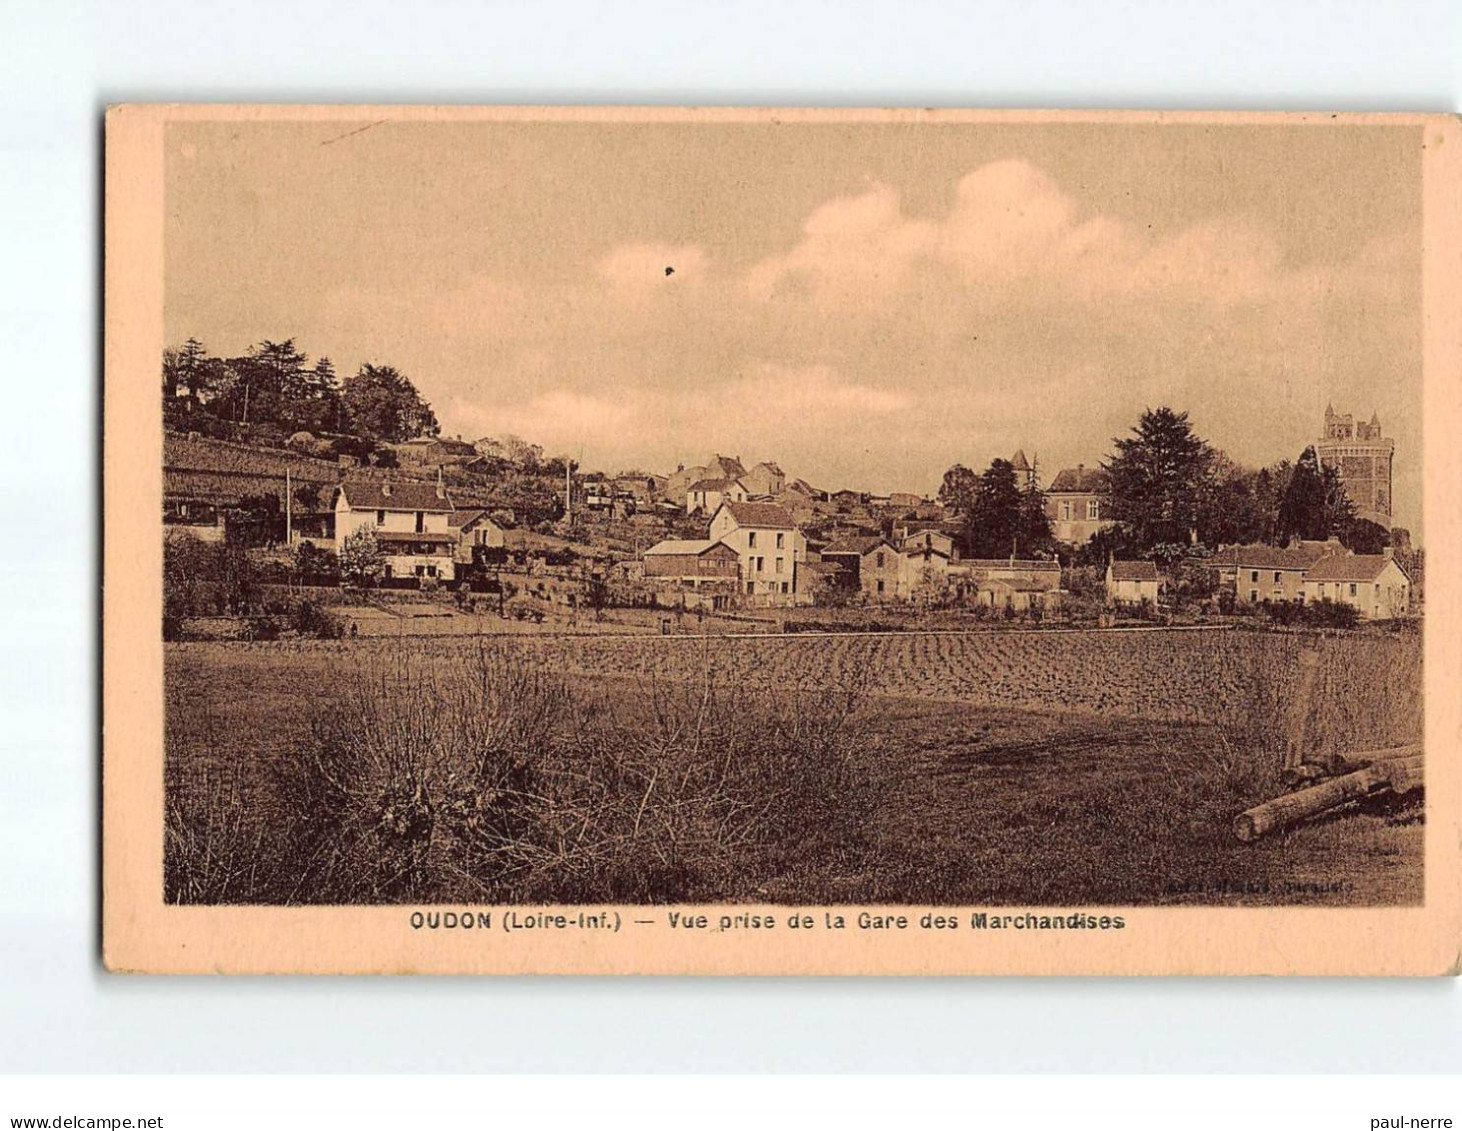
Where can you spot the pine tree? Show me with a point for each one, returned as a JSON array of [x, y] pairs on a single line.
[[1158, 477]]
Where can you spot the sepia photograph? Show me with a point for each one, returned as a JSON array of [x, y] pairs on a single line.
[[719, 520]]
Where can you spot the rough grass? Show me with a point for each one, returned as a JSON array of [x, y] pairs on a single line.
[[308, 773], [491, 782]]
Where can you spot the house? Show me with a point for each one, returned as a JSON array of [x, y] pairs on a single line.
[[705, 495], [905, 499], [693, 563], [435, 450], [641, 486], [678, 482], [1131, 583], [1373, 583], [1259, 572], [926, 555], [766, 478], [1077, 503], [873, 562], [769, 546], [474, 529], [725, 467], [928, 541], [1016, 583], [411, 522], [1016, 594]]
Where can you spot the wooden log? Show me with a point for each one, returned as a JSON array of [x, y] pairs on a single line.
[[1400, 775]]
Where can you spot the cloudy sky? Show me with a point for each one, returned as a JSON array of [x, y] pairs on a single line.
[[865, 303]]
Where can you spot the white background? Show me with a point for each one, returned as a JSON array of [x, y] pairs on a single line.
[[60, 63]]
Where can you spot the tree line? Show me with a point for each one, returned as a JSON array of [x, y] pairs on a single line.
[[1169, 490], [273, 388]]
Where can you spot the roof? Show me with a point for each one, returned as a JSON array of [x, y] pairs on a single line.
[[459, 445], [759, 514], [909, 537], [1349, 567], [1023, 565], [770, 465], [712, 484], [1019, 462], [466, 518], [1134, 571], [1080, 481], [365, 495], [859, 544], [727, 465], [1295, 556], [696, 546]]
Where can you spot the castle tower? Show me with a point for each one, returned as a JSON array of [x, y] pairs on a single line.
[[1025, 472], [1363, 458]]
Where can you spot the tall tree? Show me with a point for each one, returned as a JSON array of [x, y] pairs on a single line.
[[1005, 519], [383, 405], [1315, 505], [1159, 477], [323, 388], [957, 495]]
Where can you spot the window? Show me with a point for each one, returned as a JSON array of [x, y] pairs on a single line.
[[761, 564], [879, 561], [1352, 588], [750, 588], [779, 540], [880, 585], [380, 518], [781, 565], [420, 522], [1093, 509], [751, 539], [1254, 575], [1276, 577], [1066, 510], [1253, 596], [784, 587]]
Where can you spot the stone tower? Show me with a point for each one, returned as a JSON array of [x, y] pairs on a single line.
[[1363, 458]]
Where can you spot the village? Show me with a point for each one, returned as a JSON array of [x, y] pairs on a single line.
[[431, 527]]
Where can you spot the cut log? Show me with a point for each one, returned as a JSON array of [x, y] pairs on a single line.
[[1400, 775]]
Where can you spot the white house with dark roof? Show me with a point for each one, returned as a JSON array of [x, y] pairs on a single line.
[[1131, 583], [705, 495], [1373, 583], [769, 547], [411, 521], [765, 478], [474, 528], [1258, 572]]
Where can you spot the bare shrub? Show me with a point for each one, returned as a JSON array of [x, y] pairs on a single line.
[[214, 851], [491, 781]]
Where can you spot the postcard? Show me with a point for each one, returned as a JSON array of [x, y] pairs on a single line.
[[781, 541]]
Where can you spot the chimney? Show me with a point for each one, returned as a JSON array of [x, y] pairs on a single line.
[[1388, 552]]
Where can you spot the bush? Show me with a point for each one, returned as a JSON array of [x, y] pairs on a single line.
[[310, 619], [497, 785]]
